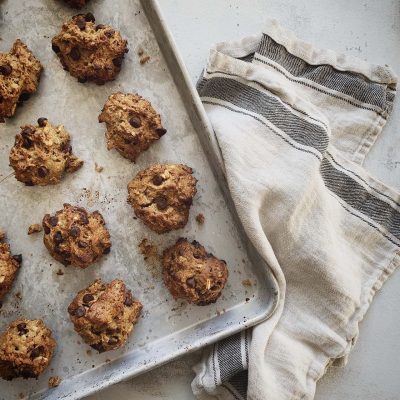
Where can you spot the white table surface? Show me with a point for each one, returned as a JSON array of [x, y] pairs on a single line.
[[369, 29]]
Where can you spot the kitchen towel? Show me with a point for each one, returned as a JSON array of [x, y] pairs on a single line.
[[294, 124]]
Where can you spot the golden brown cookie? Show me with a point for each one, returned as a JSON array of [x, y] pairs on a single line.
[[76, 3], [161, 196], [132, 124], [42, 154], [19, 78], [9, 266], [88, 51], [75, 236], [104, 314], [26, 349], [192, 274]]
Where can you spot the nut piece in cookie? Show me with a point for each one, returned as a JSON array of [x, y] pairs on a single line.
[[88, 51], [42, 154], [161, 196], [9, 266], [132, 124], [26, 349], [76, 236], [76, 3], [192, 274], [104, 314], [19, 78]]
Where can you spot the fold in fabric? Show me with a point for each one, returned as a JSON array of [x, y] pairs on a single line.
[[294, 125]]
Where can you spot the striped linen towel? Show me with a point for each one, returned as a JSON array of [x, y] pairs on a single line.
[[294, 125]]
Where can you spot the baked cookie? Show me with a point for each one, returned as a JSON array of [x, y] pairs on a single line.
[[76, 3], [132, 124], [75, 236], [161, 196], [192, 274], [26, 349], [19, 78], [104, 314], [9, 266], [42, 154], [88, 51]]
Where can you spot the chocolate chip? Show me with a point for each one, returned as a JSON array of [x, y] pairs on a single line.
[[66, 148], [118, 61], [26, 131], [37, 352], [191, 282], [135, 122], [80, 22], [82, 79], [132, 140], [188, 201], [55, 48], [29, 183], [75, 54], [80, 311], [113, 340], [161, 202], [58, 237], [100, 26], [46, 229], [87, 298], [42, 171], [17, 258], [5, 69], [161, 132], [157, 180], [84, 219], [128, 300], [27, 143], [82, 245], [75, 231], [42, 121], [110, 33], [89, 17], [24, 96], [53, 221], [21, 327], [98, 346], [106, 250], [1, 98]]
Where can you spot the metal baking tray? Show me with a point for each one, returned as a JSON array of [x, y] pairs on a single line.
[[167, 328]]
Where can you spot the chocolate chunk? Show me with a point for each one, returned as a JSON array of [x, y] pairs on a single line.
[[75, 53], [58, 237], [128, 300], [42, 171], [84, 219], [132, 140], [106, 250], [66, 148], [17, 258], [24, 96], [80, 311], [110, 33], [161, 202], [100, 26], [161, 132], [191, 282], [27, 131], [42, 121], [81, 23], [21, 327], [29, 183], [27, 143], [87, 298], [37, 352], [55, 48], [118, 61], [5, 69], [75, 231], [135, 122], [46, 229], [89, 17], [98, 346], [1, 98], [82, 245], [82, 79], [53, 221], [157, 180]]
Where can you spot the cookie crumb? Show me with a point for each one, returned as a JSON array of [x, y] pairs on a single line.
[[60, 272], [149, 250], [200, 219], [108, 360], [246, 282], [98, 167], [34, 228], [144, 59], [18, 295], [21, 395], [54, 381], [89, 352], [140, 52]]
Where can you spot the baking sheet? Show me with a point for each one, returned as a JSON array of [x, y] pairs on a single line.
[[167, 327]]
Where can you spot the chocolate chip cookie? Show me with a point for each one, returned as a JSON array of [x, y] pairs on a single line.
[[42, 154], [104, 314], [26, 349], [88, 51], [76, 3], [192, 274], [19, 78], [9, 266], [161, 196], [76, 236], [132, 124]]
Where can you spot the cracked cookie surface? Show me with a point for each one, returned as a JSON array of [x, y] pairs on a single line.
[[88, 51], [9, 266], [132, 124], [192, 274], [26, 349], [75, 236], [161, 196], [42, 154], [104, 314], [19, 78]]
